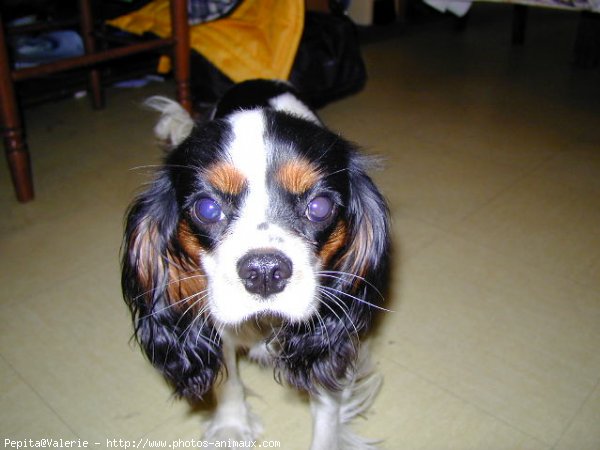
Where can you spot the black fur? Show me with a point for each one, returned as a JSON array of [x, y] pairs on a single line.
[[186, 349], [250, 94]]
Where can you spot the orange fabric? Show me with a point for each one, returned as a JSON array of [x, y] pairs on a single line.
[[258, 40]]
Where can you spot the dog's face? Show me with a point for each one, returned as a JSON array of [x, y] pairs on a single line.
[[256, 214], [262, 209]]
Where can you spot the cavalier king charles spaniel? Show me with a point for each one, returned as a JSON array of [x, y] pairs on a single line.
[[261, 232]]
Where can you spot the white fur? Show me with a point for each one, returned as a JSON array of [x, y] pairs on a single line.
[[289, 103], [175, 123], [229, 301], [233, 418], [333, 412]]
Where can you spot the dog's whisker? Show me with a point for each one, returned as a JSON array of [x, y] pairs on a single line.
[[324, 303], [339, 275], [212, 339], [325, 151], [160, 288], [358, 299], [178, 302], [332, 273], [275, 333], [187, 330], [199, 315], [205, 339], [338, 302], [324, 326], [350, 337], [345, 169], [203, 294], [160, 166], [154, 312]]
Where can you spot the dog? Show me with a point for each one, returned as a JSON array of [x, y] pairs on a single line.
[[261, 232]]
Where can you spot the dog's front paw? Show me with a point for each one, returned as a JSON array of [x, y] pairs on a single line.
[[261, 354], [227, 428]]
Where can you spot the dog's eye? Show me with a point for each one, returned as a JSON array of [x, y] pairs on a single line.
[[207, 210], [319, 209]]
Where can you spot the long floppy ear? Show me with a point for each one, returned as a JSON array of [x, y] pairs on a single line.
[[164, 287], [365, 259], [352, 286]]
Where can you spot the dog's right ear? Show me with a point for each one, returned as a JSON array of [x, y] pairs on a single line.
[[165, 288], [175, 123]]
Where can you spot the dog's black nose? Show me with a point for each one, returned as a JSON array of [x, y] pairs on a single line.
[[264, 273]]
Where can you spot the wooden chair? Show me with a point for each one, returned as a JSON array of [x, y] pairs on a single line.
[[17, 154]]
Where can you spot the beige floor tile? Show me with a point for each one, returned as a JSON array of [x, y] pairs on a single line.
[[410, 236], [24, 415], [185, 427], [44, 255], [429, 183], [71, 344], [518, 343], [505, 140], [414, 413], [550, 219], [584, 433]]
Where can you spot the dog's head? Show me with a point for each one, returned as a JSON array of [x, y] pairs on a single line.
[[257, 213]]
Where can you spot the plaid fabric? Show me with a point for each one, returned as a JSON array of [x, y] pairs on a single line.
[[200, 11]]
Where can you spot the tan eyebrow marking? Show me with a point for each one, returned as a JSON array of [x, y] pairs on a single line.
[[226, 178], [298, 176]]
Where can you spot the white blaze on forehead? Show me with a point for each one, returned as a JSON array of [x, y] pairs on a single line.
[[248, 153]]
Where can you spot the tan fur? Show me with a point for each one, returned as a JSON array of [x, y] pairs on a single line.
[[226, 178], [336, 241], [187, 281], [185, 276], [359, 247], [298, 176]]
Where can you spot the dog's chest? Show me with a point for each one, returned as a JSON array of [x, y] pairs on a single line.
[[258, 337]]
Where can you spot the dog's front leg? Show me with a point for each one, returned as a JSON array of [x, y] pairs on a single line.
[[325, 407], [233, 418], [333, 412]]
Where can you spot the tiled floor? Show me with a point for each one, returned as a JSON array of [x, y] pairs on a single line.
[[493, 177]]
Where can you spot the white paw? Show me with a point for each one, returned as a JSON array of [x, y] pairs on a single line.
[[261, 354], [225, 427]]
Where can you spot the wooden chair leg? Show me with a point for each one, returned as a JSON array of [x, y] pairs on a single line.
[[15, 145], [17, 153], [181, 52], [89, 42]]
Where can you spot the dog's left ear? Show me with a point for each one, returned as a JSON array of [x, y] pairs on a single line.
[[164, 287], [352, 289], [368, 247]]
